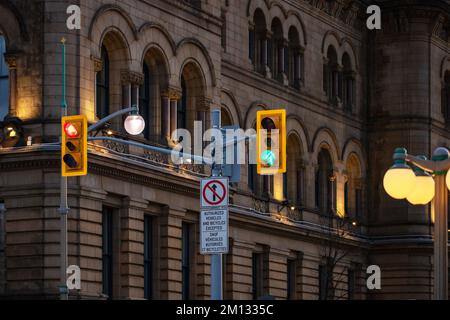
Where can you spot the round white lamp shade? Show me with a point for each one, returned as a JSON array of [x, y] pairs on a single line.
[[134, 124], [423, 191], [447, 180], [399, 182]]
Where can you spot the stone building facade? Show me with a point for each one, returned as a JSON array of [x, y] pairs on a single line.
[[351, 95]]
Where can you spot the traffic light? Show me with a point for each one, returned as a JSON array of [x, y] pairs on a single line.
[[271, 142], [74, 146]]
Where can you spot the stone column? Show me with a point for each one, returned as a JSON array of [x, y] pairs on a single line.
[[132, 248], [298, 65], [251, 42], [265, 54], [131, 81], [171, 253], [174, 96], [98, 67], [326, 78], [11, 60], [126, 95], [165, 115], [282, 52]]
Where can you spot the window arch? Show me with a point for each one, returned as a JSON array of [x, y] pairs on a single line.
[[4, 80], [277, 61], [152, 93], [226, 119], [446, 97], [144, 99], [181, 111], [353, 188], [332, 76], [193, 106], [115, 87], [259, 46], [294, 177], [296, 59], [103, 85], [348, 95], [324, 184]]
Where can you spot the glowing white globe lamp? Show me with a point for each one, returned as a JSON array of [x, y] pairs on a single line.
[[399, 181], [424, 190], [134, 124]]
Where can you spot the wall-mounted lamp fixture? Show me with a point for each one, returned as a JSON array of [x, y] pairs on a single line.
[[11, 132]]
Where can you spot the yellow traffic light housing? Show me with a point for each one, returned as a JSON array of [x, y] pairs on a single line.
[[271, 142], [74, 146]]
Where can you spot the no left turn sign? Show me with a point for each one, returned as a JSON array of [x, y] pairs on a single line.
[[214, 193]]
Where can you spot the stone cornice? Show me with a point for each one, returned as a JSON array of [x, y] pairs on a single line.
[[104, 170]]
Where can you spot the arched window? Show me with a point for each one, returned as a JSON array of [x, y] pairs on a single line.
[[260, 49], [294, 177], [102, 103], [4, 80], [353, 188], [261, 186], [446, 97], [154, 101], [182, 107], [324, 184], [277, 58], [332, 77], [225, 116], [144, 100], [348, 84], [193, 106], [296, 59]]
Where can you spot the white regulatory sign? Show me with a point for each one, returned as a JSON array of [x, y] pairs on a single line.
[[214, 231], [214, 193]]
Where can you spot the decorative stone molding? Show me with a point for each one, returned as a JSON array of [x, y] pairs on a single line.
[[98, 64], [131, 77], [11, 60], [345, 10], [440, 28]]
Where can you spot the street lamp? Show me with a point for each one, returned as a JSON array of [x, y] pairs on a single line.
[[134, 124], [399, 180], [424, 189], [419, 188]]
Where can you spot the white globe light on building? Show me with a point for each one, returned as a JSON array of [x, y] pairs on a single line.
[[134, 124]]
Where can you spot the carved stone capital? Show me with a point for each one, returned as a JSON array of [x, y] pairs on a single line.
[[98, 64], [11, 60], [172, 93], [131, 77]]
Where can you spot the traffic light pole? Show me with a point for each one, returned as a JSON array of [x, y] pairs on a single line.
[[63, 207]]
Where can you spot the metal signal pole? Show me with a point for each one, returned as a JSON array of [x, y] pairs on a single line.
[[63, 207]]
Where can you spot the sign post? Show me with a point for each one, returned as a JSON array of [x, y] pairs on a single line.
[[214, 196], [214, 228]]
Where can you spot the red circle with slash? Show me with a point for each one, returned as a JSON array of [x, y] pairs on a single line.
[[217, 198]]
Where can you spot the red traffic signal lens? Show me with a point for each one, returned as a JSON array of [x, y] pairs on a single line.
[[71, 130]]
